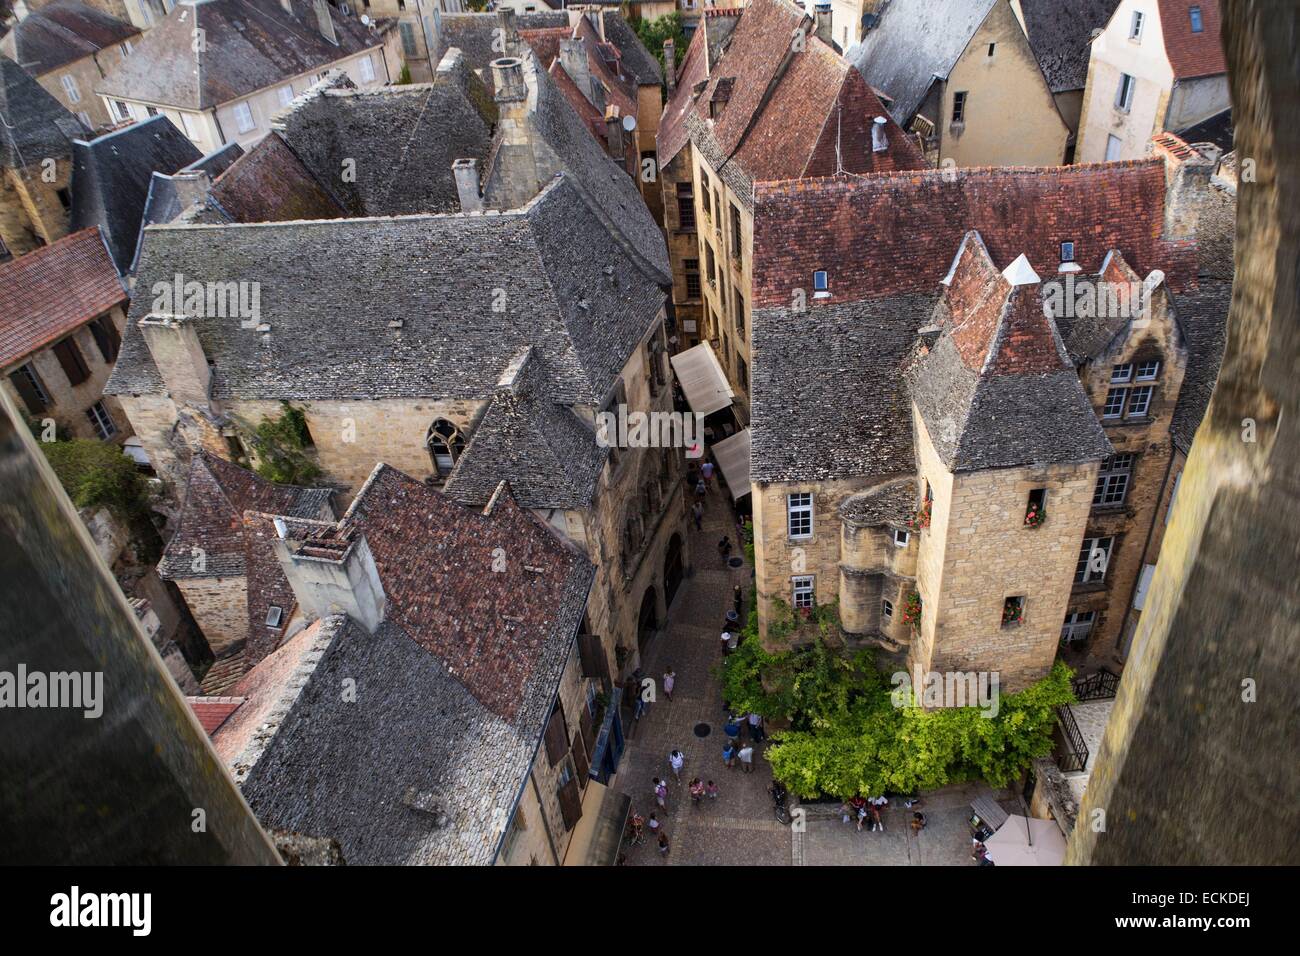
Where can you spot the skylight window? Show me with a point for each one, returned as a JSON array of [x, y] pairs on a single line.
[[1197, 23], [821, 283]]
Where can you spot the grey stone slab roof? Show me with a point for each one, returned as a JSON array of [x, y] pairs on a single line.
[[639, 61], [329, 289], [549, 455], [891, 503], [249, 45], [402, 139], [217, 161], [1203, 317], [1217, 129], [1060, 34], [33, 124], [111, 176], [804, 365], [915, 41], [472, 33], [61, 33]]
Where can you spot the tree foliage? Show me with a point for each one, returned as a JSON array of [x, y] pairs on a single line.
[[654, 32], [845, 735], [280, 445], [96, 474]]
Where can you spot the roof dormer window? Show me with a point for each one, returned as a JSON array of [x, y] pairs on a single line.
[[1067, 251], [1198, 24]]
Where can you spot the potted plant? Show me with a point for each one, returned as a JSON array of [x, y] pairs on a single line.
[[1035, 516], [920, 518], [912, 611]]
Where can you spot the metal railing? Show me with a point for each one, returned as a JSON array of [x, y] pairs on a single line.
[[1074, 755], [1103, 685]]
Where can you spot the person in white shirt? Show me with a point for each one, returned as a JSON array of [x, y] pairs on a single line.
[[675, 760]]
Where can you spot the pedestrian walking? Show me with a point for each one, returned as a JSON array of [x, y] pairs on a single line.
[[697, 511], [732, 729], [746, 756], [737, 598], [653, 823], [661, 793], [729, 754], [697, 791], [726, 641], [724, 548], [675, 760], [700, 491], [876, 822], [711, 790], [706, 472], [670, 681], [918, 821], [733, 640], [755, 727], [663, 844]]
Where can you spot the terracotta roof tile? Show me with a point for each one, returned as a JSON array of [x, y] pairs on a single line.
[[1192, 54], [212, 712], [50, 292]]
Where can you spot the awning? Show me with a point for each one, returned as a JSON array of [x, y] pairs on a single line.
[[732, 456], [987, 809], [702, 379], [1027, 841], [599, 831]]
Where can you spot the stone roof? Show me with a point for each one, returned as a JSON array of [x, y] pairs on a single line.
[[584, 302], [766, 113], [403, 140], [1088, 335], [545, 451], [54, 290], [1217, 129], [217, 493], [1060, 34], [454, 687], [472, 34], [998, 389], [33, 125], [249, 45], [61, 33], [804, 364], [1192, 55], [270, 184], [891, 503], [111, 176], [636, 59], [914, 42], [692, 70], [895, 233]]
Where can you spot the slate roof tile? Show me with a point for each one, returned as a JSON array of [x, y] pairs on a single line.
[[60, 33]]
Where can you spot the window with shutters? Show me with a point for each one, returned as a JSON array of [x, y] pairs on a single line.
[[101, 421], [570, 797], [29, 386], [1124, 95], [74, 366], [704, 194], [408, 39], [105, 334], [556, 736], [580, 759], [735, 232]]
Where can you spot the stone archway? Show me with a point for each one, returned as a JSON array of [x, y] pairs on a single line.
[[647, 623], [672, 569]]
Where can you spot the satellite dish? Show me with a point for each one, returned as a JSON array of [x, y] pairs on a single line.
[[365, 20], [629, 123]]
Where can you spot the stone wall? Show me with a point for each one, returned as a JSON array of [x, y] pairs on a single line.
[[31, 213], [220, 608]]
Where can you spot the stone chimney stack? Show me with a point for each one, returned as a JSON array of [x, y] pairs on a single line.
[[670, 65], [573, 57], [507, 32], [173, 342], [508, 79], [822, 15], [614, 133], [334, 574], [324, 22], [467, 184], [1187, 178]]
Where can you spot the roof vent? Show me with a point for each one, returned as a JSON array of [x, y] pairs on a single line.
[[879, 141], [426, 802], [1020, 272], [396, 323]]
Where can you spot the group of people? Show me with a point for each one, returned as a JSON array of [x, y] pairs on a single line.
[[733, 749], [698, 789], [863, 809]]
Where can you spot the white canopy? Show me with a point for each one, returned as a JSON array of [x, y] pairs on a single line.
[[732, 456], [702, 379], [1027, 841]]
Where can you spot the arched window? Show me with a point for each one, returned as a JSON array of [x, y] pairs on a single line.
[[445, 444]]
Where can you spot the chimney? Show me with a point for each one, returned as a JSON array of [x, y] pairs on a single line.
[[467, 184], [614, 133], [1187, 177], [173, 342], [822, 14], [573, 57], [508, 32], [324, 22], [334, 573], [670, 65], [879, 139], [508, 79]]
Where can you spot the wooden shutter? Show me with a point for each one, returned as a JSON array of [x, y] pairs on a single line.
[[588, 728], [32, 398], [595, 662], [106, 337], [556, 737], [570, 803], [74, 366], [580, 758]]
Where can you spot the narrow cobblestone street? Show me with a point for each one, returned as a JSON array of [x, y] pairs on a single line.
[[739, 828]]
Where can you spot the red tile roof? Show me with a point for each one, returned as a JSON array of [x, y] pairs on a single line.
[[49, 293], [895, 233], [693, 69], [1192, 54], [213, 711]]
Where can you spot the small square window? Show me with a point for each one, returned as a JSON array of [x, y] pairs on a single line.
[[1147, 371], [1135, 27], [1013, 611], [901, 538], [887, 610], [1122, 373], [273, 616], [1067, 252], [959, 107], [1114, 407], [803, 591], [821, 282]]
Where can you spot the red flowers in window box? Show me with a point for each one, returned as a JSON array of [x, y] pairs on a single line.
[[920, 518], [912, 611], [1035, 516]]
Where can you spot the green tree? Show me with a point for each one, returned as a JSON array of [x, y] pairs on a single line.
[[280, 445], [654, 32], [96, 474]]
